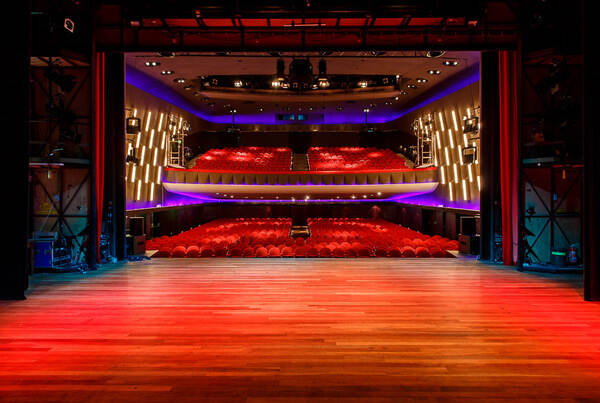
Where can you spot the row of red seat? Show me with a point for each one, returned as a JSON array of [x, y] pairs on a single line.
[[268, 159], [353, 158], [329, 238], [256, 159]]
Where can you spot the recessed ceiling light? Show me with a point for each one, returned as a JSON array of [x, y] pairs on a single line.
[[179, 80], [434, 72], [363, 84], [340, 108], [260, 109], [450, 63], [152, 63], [167, 72], [421, 80], [396, 98], [403, 93], [411, 86], [238, 83]]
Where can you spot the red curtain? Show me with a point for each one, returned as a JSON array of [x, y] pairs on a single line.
[[509, 154], [99, 129]]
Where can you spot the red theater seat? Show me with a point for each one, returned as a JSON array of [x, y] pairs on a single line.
[[395, 252], [248, 252], [235, 252], [300, 251], [312, 252], [221, 252], [164, 251], [437, 252], [261, 252], [325, 252], [422, 252], [381, 252], [274, 252], [192, 251], [364, 252], [207, 252], [179, 251], [287, 252], [408, 251]]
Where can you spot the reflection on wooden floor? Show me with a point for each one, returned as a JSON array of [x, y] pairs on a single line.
[[178, 330]]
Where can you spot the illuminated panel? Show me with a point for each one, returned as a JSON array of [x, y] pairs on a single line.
[[155, 156], [139, 190], [470, 173], [447, 156], [148, 120], [441, 120], [443, 175], [455, 173], [451, 191], [142, 155], [464, 188], [151, 139], [460, 155], [454, 120], [133, 173], [451, 138], [160, 121], [158, 175], [479, 183], [147, 173]]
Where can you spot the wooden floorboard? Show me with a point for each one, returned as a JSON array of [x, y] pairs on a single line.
[[315, 330]]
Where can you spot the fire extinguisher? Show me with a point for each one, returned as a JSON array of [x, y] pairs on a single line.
[[572, 255]]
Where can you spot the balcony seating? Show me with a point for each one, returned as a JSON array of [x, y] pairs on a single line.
[[251, 159], [353, 158]]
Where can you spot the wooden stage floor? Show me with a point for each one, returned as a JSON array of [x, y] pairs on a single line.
[[368, 330]]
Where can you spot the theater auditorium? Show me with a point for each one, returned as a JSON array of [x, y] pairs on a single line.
[[301, 201]]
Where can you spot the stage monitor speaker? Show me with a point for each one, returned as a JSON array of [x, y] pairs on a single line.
[[136, 226]]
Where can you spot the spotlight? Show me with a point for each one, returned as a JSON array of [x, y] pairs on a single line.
[[324, 83], [69, 25], [363, 84], [275, 84], [340, 108], [434, 72], [411, 86], [167, 72], [152, 63], [450, 63], [238, 83], [403, 93], [179, 80], [366, 110], [435, 53], [421, 80], [396, 98]]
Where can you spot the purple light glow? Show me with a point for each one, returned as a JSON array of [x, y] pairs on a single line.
[[160, 90], [433, 200]]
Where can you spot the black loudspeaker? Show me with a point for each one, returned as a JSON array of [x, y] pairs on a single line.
[[133, 125], [136, 226]]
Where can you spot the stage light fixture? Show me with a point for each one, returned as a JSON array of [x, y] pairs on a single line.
[[421, 80], [179, 80], [238, 83], [435, 53], [450, 63], [167, 72], [434, 72], [69, 25], [152, 63], [411, 86], [363, 84], [275, 84]]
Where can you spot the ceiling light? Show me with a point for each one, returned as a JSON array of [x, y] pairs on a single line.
[[275, 84], [434, 72], [450, 63], [152, 63], [340, 108], [238, 83], [363, 84], [188, 87], [366, 110], [396, 98], [421, 80], [260, 109], [324, 83], [167, 72], [411, 86], [179, 80]]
